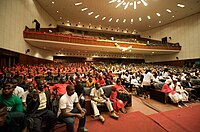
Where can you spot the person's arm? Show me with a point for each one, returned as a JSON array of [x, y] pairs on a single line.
[[66, 114], [19, 105]]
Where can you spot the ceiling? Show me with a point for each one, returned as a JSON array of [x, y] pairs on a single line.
[[67, 13]]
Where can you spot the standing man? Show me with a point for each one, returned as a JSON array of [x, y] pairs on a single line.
[[97, 96], [38, 107], [69, 108]]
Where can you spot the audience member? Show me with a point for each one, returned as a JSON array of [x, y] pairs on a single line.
[[69, 107], [97, 96]]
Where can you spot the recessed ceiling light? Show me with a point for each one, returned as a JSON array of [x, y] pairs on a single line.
[[52, 2], [124, 3], [112, 1], [126, 6], [90, 24], [159, 21], [119, 4], [124, 21], [84, 9], [57, 11], [131, 20], [149, 25], [152, 52], [144, 2], [90, 13], [96, 16], [173, 16], [135, 5], [181, 5], [131, 3], [110, 19], [117, 20], [60, 17], [103, 18], [67, 20], [78, 3], [148, 17], [158, 14], [139, 2], [168, 10], [140, 19]]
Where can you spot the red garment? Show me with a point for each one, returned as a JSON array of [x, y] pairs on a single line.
[[119, 87], [101, 82], [60, 88], [117, 103], [167, 89]]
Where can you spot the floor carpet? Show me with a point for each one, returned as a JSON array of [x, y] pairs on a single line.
[[181, 120], [130, 122]]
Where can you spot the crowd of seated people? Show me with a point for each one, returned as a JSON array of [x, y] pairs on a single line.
[[36, 88]]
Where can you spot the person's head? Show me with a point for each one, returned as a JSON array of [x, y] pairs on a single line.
[[70, 90], [29, 86], [118, 82], [175, 81], [8, 89], [63, 80], [168, 81], [40, 84], [3, 113], [97, 85]]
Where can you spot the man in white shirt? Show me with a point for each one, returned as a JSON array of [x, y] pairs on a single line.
[[97, 96], [67, 110]]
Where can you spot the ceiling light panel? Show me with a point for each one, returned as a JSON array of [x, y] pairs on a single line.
[[90, 13], [168, 10], [158, 14], [96, 16], [80, 3], [181, 5], [84, 9], [103, 18]]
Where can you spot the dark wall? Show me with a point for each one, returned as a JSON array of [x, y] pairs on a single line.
[[10, 58]]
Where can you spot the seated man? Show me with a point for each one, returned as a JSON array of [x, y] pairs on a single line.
[[14, 107], [97, 96], [67, 110], [38, 108]]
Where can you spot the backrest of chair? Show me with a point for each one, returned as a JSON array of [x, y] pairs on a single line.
[[87, 91], [107, 90], [158, 85]]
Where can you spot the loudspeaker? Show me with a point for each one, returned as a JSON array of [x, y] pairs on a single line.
[[177, 58]]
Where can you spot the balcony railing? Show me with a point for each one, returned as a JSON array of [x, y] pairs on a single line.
[[93, 41]]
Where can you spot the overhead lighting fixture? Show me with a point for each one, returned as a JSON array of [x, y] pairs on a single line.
[[96, 16], [128, 2], [173, 16], [84, 9], [159, 21], [110, 19], [119, 4], [144, 2], [57, 11], [53, 2], [124, 21], [135, 5], [103, 18], [148, 17], [140, 19], [90, 13], [181, 5], [60, 17], [168, 10], [158, 14], [126, 6], [117, 20], [112, 1], [131, 20], [78, 3]]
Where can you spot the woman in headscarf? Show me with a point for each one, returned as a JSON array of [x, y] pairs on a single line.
[[174, 96]]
